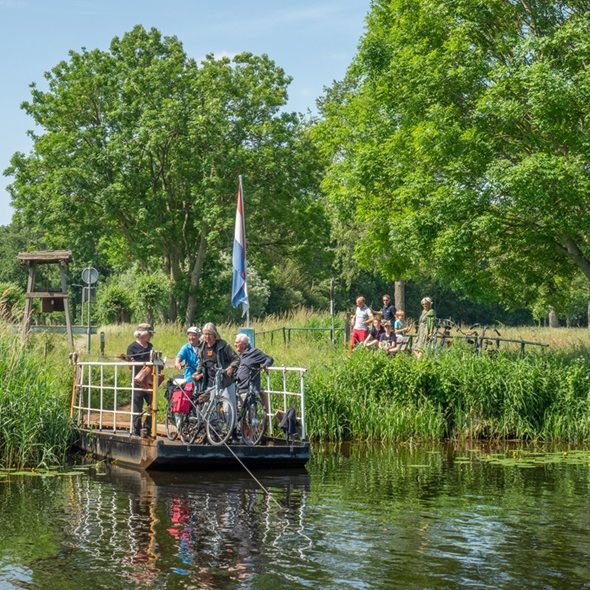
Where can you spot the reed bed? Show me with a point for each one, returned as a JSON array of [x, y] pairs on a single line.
[[35, 386], [454, 394]]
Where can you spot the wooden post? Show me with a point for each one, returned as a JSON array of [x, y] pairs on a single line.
[[28, 301], [64, 287], [154, 408]]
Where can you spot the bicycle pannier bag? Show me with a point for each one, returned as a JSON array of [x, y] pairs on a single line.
[[181, 403]]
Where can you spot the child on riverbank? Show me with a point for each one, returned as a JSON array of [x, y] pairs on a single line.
[[401, 328]]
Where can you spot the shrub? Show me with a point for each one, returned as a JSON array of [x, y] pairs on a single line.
[[114, 303]]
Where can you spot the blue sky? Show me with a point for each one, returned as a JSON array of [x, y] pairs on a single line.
[[313, 41]]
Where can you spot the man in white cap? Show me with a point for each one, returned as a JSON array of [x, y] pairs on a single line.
[[187, 357]]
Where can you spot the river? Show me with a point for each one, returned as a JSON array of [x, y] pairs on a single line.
[[424, 516]]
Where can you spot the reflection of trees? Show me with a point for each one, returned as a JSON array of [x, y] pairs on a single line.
[[374, 517]]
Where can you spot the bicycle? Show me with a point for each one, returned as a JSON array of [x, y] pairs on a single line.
[[178, 412], [441, 338], [211, 415], [482, 342], [252, 417]]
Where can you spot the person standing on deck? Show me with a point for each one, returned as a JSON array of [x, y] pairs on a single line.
[[187, 357], [360, 321], [213, 353], [140, 351]]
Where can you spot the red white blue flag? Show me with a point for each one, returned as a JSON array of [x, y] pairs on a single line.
[[239, 288]]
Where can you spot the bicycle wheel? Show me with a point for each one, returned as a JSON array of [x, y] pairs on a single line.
[[253, 423], [195, 430], [171, 429], [220, 422], [185, 429]]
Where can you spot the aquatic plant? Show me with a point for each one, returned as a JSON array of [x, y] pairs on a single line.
[[34, 401]]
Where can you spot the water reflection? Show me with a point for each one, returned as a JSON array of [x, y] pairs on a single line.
[[428, 516], [219, 529]]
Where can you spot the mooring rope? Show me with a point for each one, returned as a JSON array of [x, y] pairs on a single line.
[[265, 490]]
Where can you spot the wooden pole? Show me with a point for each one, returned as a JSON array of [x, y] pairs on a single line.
[[64, 288]]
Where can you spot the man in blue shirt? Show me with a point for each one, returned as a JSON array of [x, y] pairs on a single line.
[[187, 357]]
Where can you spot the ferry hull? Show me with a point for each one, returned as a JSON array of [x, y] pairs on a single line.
[[161, 453]]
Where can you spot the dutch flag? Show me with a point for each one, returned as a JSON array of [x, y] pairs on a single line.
[[239, 289]]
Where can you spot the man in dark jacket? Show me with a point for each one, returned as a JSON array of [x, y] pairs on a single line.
[[252, 361]]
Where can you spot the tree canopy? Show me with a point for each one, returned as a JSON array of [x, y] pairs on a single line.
[[459, 145], [136, 155]]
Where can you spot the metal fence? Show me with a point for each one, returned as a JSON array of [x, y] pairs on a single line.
[[103, 389], [102, 395]]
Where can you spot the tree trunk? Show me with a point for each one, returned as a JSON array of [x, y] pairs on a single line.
[[552, 320], [196, 272], [399, 296], [574, 252], [173, 272]]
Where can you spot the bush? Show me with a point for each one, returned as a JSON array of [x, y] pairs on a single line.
[[150, 296], [114, 304]]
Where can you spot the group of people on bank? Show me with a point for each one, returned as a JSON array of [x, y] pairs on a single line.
[[200, 358], [387, 329]]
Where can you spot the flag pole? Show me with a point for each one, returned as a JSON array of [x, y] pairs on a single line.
[[245, 248]]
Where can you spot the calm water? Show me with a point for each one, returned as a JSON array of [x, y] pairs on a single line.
[[360, 517]]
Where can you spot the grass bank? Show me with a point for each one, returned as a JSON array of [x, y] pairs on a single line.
[[35, 386]]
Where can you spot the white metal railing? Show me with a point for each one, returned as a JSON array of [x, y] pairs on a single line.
[[94, 380], [287, 393], [99, 387]]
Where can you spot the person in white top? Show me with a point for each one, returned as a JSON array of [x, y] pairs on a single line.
[[359, 322]]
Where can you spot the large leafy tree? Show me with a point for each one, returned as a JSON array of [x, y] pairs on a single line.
[[137, 152], [460, 145]]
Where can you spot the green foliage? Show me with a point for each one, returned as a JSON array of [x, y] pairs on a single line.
[[35, 427], [136, 157], [458, 142], [456, 394], [12, 302], [150, 296], [114, 303]]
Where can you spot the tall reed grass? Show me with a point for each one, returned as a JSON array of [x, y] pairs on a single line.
[[454, 394], [34, 401]]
